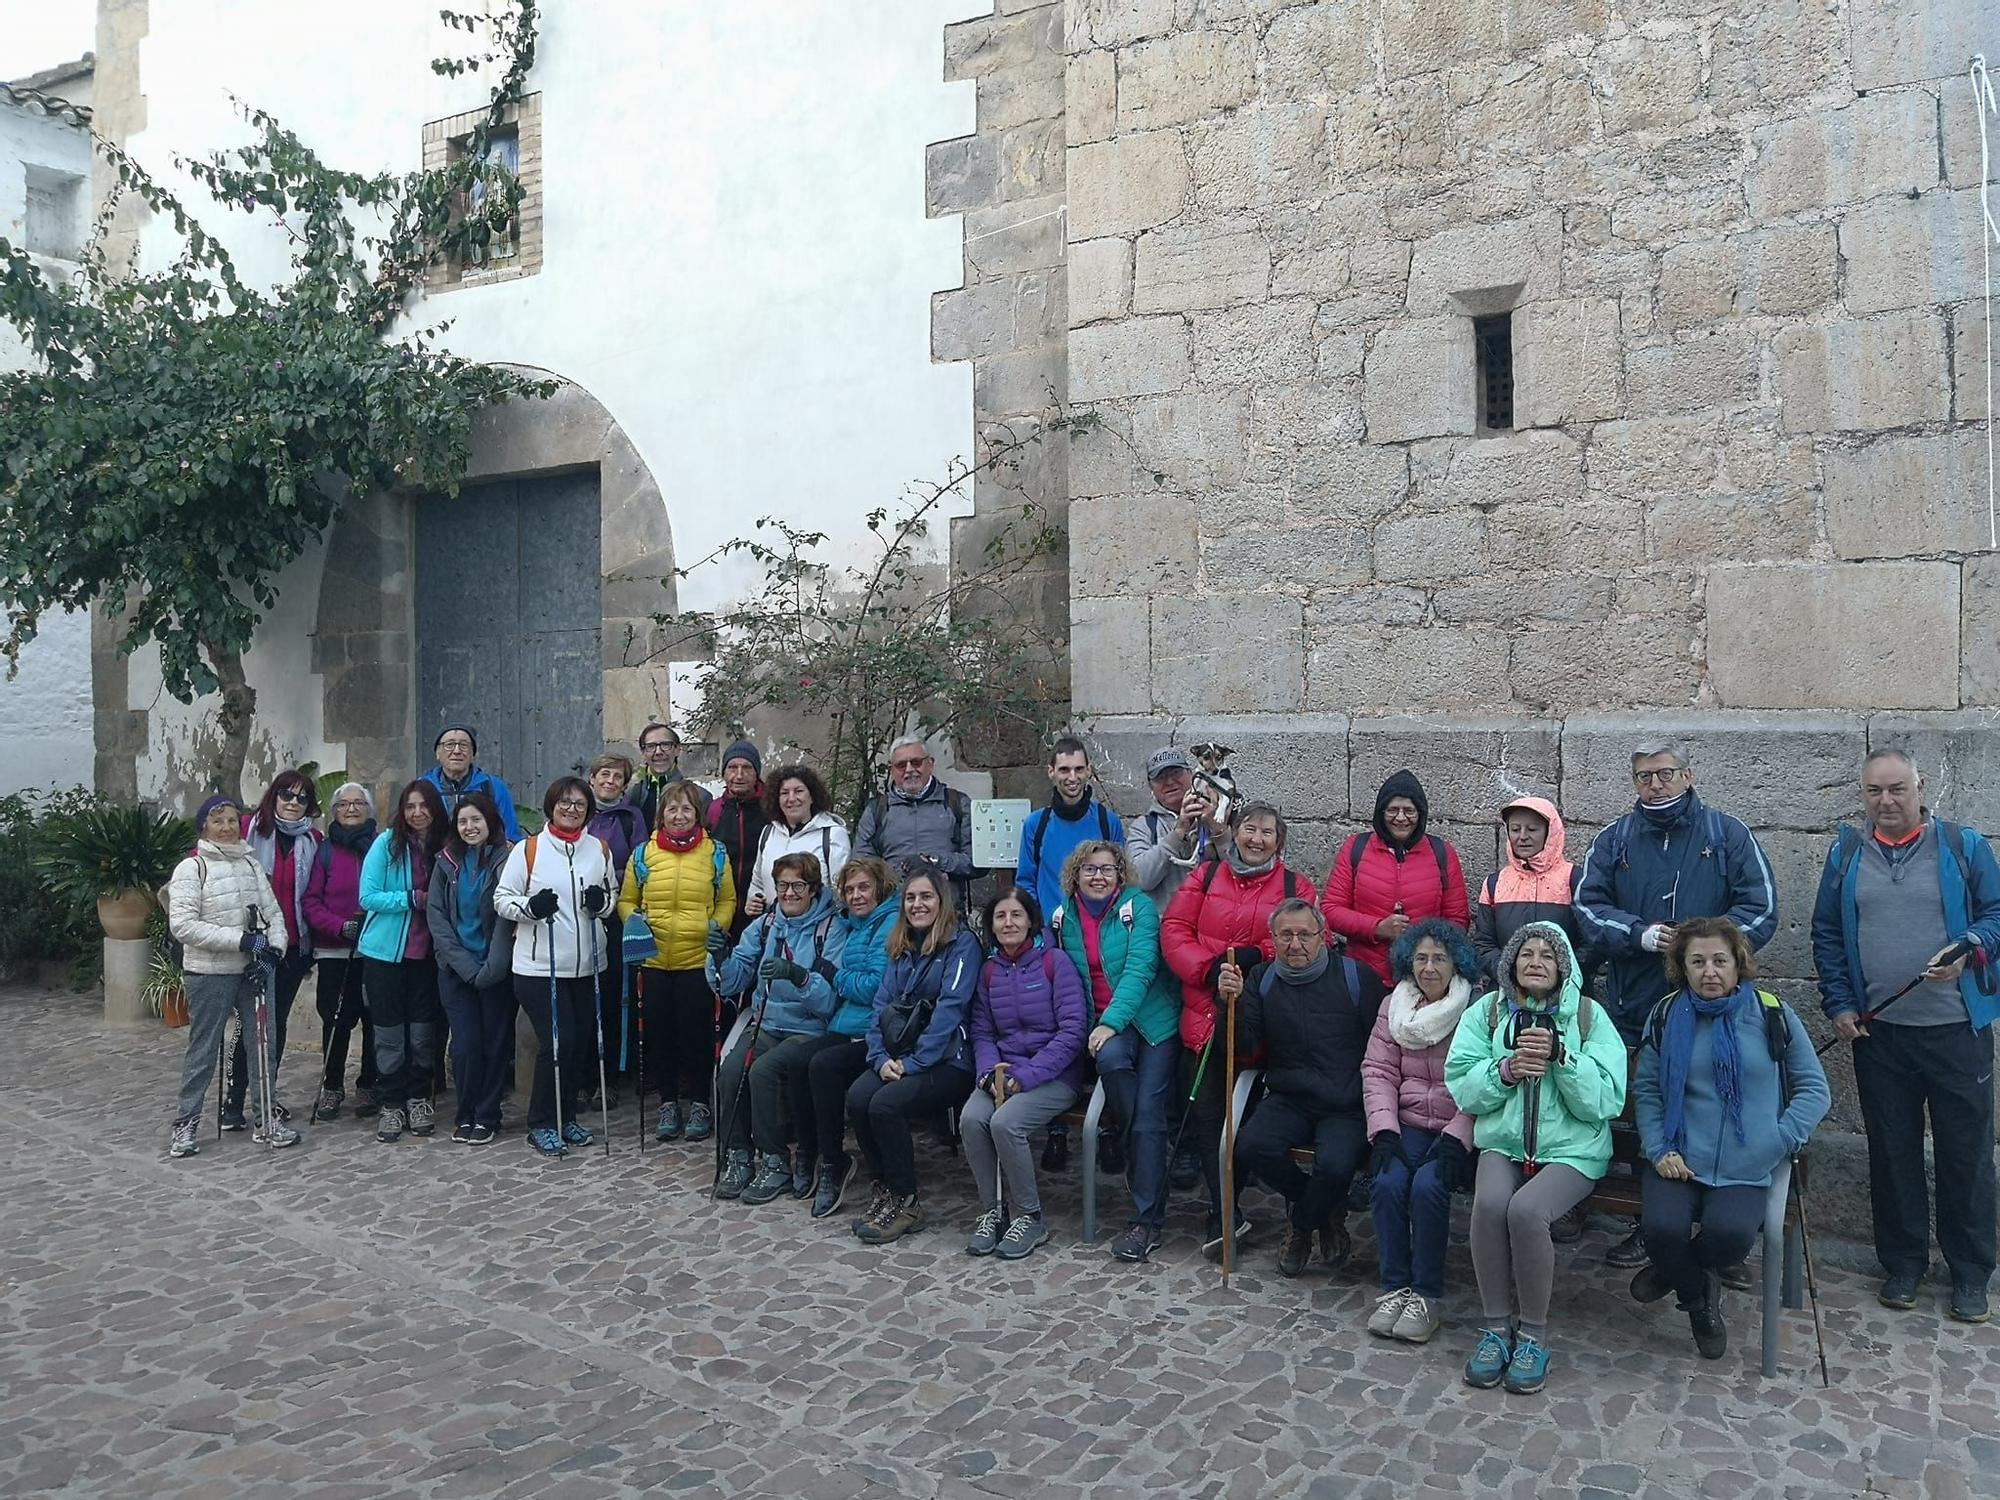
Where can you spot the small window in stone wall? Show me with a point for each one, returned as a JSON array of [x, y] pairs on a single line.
[[54, 220], [515, 146], [1493, 345]]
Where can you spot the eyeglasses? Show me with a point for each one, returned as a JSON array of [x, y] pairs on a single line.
[[909, 765], [1293, 939], [792, 888], [1658, 778], [350, 804], [658, 747], [454, 744], [290, 794], [1108, 870], [572, 805]]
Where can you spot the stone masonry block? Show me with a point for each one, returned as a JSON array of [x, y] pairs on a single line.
[[1428, 548], [1195, 438], [1358, 666], [1796, 859], [1692, 374], [1884, 635], [1182, 267], [960, 174], [1126, 185], [1132, 544], [1350, 482], [1199, 661], [1912, 252], [1907, 495], [1090, 97], [1311, 50], [1470, 766], [1114, 23], [1969, 362], [1536, 468], [1894, 44], [1290, 561], [1877, 145], [1298, 761], [1979, 631], [1863, 375], [1100, 280], [1110, 654], [1261, 345], [1419, 378], [1773, 770], [1523, 252], [1792, 269], [1567, 366], [1183, 77], [1272, 157], [1650, 82], [1423, 36], [1959, 755], [1602, 536], [1602, 665], [1698, 282], [987, 45], [1136, 357]]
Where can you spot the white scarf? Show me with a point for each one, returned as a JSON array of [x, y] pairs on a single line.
[[1414, 1025]]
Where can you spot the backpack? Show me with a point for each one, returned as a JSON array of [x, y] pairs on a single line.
[[1124, 915], [1208, 879], [1358, 845], [1713, 831], [1777, 1036], [533, 839], [959, 804], [825, 853], [639, 865], [1042, 830], [1350, 973]]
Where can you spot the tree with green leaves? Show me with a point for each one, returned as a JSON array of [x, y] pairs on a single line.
[[184, 435]]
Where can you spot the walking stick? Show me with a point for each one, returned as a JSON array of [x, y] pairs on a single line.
[[728, 1121], [327, 1030], [555, 1037], [1812, 1280], [260, 1011], [597, 1009], [1228, 1142], [639, 1035], [1200, 1067]]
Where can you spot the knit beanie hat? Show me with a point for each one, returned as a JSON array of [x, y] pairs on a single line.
[[220, 799], [464, 729], [744, 750]]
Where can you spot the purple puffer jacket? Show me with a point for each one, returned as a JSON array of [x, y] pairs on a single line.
[[623, 829], [1029, 1013], [333, 896]]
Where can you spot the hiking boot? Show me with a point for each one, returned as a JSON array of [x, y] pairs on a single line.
[[1489, 1363], [735, 1174], [700, 1123], [830, 1186], [546, 1141], [1136, 1244], [184, 1142], [802, 1175], [423, 1119], [879, 1199], [1528, 1370], [1022, 1236], [1968, 1301], [774, 1176], [576, 1135], [366, 1105], [1628, 1254], [275, 1133], [1335, 1243], [1419, 1320], [1649, 1285], [668, 1127], [1110, 1153], [462, 1136], [480, 1135], [1736, 1276], [389, 1126], [1568, 1229], [1211, 1237], [327, 1105], [1899, 1290], [232, 1117], [1055, 1153], [1185, 1169], [1294, 1250], [1388, 1308], [986, 1232], [902, 1216], [1711, 1335]]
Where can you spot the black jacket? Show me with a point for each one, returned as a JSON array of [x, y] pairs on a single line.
[[1313, 1035]]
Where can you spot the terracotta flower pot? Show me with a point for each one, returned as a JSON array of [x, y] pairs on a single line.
[[124, 915], [174, 1008]]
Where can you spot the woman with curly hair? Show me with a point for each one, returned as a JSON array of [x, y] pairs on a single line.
[[802, 821]]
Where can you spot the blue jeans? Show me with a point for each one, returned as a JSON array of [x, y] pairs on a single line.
[[1138, 1078], [481, 1021], [1412, 1217]]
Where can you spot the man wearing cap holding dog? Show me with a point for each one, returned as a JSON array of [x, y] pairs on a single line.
[[1170, 838]]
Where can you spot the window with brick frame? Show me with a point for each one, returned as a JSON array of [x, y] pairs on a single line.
[[516, 146]]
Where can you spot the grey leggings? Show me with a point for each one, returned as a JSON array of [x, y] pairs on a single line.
[[1512, 1254], [212, 999], [997, 1140]]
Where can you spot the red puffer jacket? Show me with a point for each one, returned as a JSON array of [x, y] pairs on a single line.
[[1359, 896], [1212, 912]]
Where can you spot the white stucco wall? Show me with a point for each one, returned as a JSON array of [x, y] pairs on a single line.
[[737, 260]]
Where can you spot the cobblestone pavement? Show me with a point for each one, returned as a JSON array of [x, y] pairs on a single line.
[[350, 1319]]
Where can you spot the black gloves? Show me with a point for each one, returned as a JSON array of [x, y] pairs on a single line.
[[717, 941], [350, 929], [1454, 1164], [777, 967], [542, 905], [596, 900], [1385, 1148], [253, 943]]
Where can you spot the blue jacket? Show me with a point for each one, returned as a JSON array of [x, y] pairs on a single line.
[[1772, 1129], [950, 976], [859, 973], [1974, 914], [1703, 863], [812, 940], [1046, 841], [390, 902], [477, 780], [1029, 1012]]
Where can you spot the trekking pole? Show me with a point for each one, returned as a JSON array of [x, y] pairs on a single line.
[[1812, 1280], [728, 1121], [260, 1011], [597, 1009], [222, 1070], [999, 1177], [639, 1038], [1200, 1067], [1228, 1141], [1951, 955], [327, 1029], [555, 1036]]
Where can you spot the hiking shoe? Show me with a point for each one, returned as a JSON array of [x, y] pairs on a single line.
[[831, 1186], [1335, 1243], [480, 1135], [1185, 1169], [366, 1105], [669, 1125], [327, 1105], [774, 1176], [1022, 1236], [1055, 1152], [735, 1174], [1419, 1320], [462, 1136], [802, 1175], [1294, 1250], [575, 1135], [1711, 1334], [1528, 1370], [1629, 1253], [986, 1232], [184, 1142], [700, 1123], [389, 1127], [546, 1141], [1110, 1153], [1388, 1308], [1568, 1229], [879, 1198], [902, 1216], [1211, 1237], [1736, 1276], [1490, 1361], [1899, 1290], [232, 1118], [276, 1133], [1968, 1302], [423, 1119], [1136, 1244], [1649, 1285]]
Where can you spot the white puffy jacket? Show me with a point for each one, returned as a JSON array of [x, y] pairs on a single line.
[[567, 869], [824, 837], [207, 898]]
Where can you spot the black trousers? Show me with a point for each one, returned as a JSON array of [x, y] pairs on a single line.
[[1900, 1072], [782, 1098], [571, 1010], [881, 1113], [754, 1108], [404, 1000], [340, 1009], [1730, 1219], [678, 1011], [1340, 1145], [830, 1073]]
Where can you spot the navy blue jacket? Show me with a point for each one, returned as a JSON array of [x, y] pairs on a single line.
[[950, 977]]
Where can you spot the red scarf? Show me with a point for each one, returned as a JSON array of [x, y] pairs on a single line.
[[567, 838], [679, 843]]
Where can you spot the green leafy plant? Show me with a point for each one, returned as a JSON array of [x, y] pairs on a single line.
[[104, 850], [36, 925]]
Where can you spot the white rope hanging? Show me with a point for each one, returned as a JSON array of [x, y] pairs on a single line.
[[1984, 104]]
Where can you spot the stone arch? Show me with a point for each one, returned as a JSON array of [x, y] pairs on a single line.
[[363, 642]]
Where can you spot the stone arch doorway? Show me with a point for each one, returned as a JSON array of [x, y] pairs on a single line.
[[366, 641]]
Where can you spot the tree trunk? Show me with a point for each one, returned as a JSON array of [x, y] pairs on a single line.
[[239, 707]]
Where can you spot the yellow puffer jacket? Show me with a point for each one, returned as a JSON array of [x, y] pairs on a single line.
[[680, 898]]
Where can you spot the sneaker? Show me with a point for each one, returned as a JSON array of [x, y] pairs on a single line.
[[1294, 1250], [1568, 1229], [1185, 1169], [1528, 1370], [1211, 1237], [700, 1123], [278, 1109], [802, 1175], [1490, 1361], [986, 1231], [1649, 1285], [1055, 1153], [423, 1119], [1711, 1334], [1419, 1320], [1110, 1153], [546, 1141], [774, 1176], [1136, 1244], [327, 1105], [1388, 1308], [1968, 1302], [1629, 1253], [184, 1142], [366, 1105], [389, 1127], [575, 1135], [902, 1216], [232, 1118], [668, 1127], [1899, 1290], [830, 1187], [735, 1174], [274, 1134], [1335, 1243], [1737, 1276], [1022, 1236], [462, 1136], [480, 1135]]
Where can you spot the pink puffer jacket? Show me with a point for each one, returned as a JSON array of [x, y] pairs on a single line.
[[1402, 1087]]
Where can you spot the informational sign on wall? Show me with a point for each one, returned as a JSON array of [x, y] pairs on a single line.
[[996, 831]]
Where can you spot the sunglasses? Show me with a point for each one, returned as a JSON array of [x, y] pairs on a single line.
[[290, 794]]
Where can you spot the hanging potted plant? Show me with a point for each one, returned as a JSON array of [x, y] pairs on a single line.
[[116, 857]]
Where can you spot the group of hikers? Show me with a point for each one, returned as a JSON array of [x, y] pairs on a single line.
[[1405, 1035]]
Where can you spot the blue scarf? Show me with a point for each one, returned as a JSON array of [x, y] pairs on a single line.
[[1677, 1050]]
